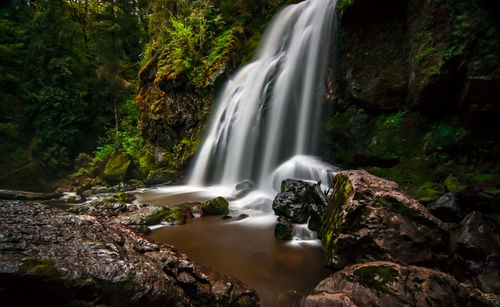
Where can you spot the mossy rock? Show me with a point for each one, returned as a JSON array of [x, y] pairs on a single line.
[[332, 221], [117, 168], [121, 198], [160, 176], [375, 277], [429, 191], [216, 206], [165, 214]]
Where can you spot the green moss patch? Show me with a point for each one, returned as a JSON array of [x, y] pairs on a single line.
[[40, 267], [117, 168], [332, 221], [374, 277], [165, 214]]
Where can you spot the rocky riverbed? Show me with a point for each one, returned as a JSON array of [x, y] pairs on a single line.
[[60, 258], [383, 247]]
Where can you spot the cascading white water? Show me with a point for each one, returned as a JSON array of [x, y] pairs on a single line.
[[268, 111]]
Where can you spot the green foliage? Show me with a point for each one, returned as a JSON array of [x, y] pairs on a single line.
[[343, 5], [444, 134], [429, 191], [393, 120], [67, 70]]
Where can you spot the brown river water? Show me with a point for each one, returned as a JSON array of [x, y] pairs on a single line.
[[280, 272]]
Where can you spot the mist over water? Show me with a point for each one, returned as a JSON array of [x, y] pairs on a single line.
[[268, 111]]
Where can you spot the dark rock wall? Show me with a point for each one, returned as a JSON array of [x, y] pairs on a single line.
[[413, 92]]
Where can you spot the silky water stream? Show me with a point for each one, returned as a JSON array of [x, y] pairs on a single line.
[[243, 247], [262, 129]]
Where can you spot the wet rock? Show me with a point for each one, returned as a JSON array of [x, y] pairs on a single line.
[[76, 199], [63, 259], [242, 189], [369, 218], [384, 283], [196, 210], [283, 229], [446, 208], [24, 195], [299, 201], [109, 207], [477, 242], [242, 216], [101, 190], [216, 206], [87, 193], [162, 215]]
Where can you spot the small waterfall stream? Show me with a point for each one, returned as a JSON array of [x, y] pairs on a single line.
[[268, 111]]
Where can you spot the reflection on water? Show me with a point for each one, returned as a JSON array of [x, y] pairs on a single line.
[[245, 249]]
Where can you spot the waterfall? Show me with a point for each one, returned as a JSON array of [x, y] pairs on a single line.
[[268, 111]]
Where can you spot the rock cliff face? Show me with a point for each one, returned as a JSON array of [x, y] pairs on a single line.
[[171, 117], [413, 92], [64, 259]]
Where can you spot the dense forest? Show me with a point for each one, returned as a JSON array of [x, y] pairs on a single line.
[[70, 75]]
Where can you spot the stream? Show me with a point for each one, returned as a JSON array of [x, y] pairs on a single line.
[[243, 247]]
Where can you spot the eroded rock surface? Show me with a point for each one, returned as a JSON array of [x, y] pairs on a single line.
[[61, 258], [368, 218], [389, 284]]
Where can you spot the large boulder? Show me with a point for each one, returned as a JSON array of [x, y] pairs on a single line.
[[300, 201], [368, 218], [62, 259], [384, 283]]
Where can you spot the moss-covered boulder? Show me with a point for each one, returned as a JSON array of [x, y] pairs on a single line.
[[389, 284], [370, 218], [161, 175], [117, 168], [164, 214], [216, 206]]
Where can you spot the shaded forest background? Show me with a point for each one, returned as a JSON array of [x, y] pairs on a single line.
[[69, 75]]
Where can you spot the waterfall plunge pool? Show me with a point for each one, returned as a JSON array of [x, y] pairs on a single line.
[[281, 272]]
